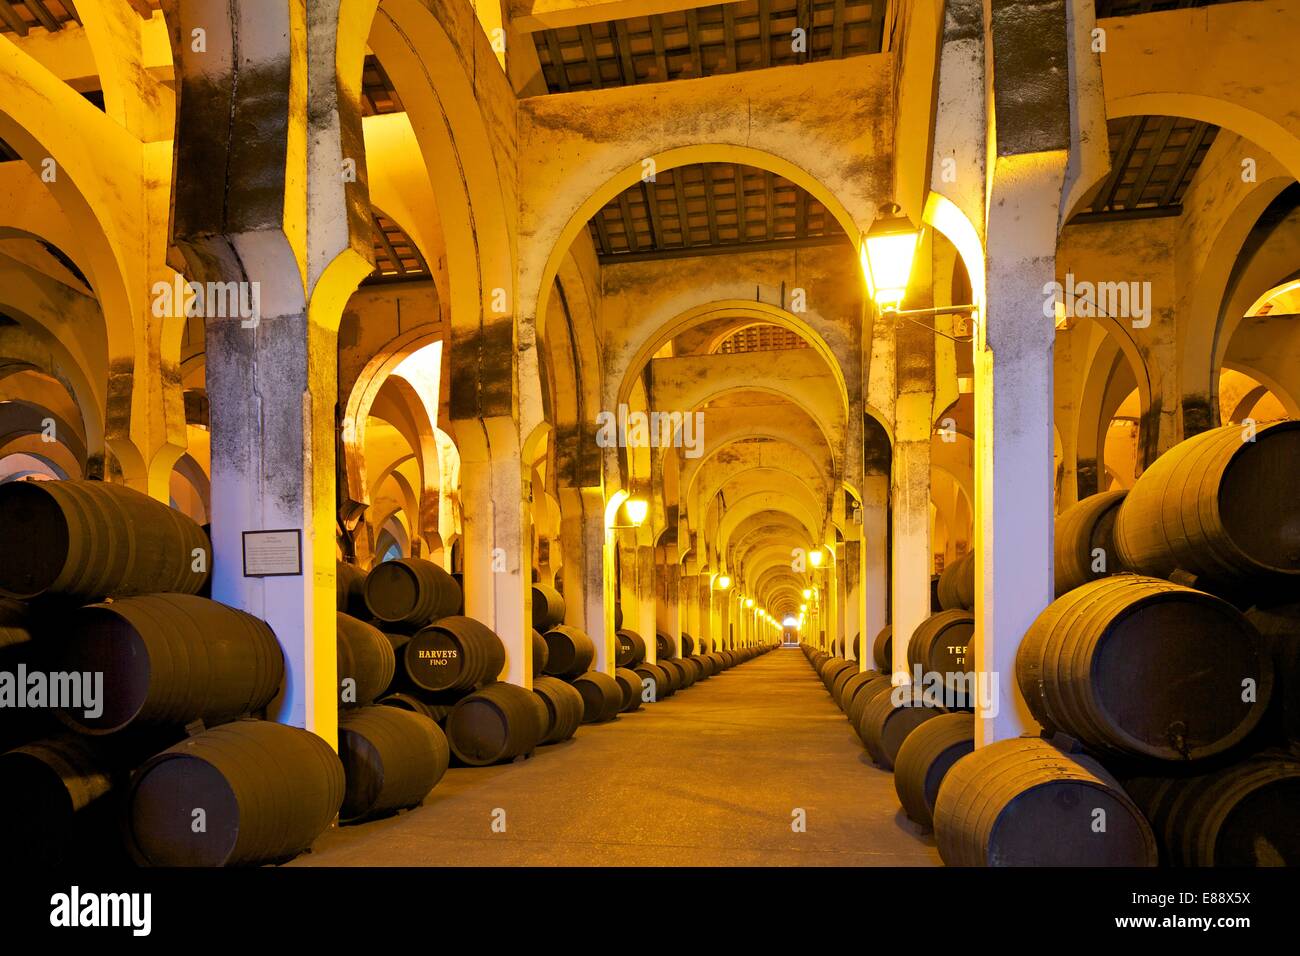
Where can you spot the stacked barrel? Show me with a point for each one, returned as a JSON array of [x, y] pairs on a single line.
[[1164, 677], [148, 696]]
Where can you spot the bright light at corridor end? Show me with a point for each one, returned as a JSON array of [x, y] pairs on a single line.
[[790, 621], [886, 253]]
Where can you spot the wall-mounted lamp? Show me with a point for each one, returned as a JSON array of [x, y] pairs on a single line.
[[722, 582], [807, 594], [749, 602], [886, 253], [816, 557], [637, 509]]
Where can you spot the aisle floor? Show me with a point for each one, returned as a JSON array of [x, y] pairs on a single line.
[[710, 777]]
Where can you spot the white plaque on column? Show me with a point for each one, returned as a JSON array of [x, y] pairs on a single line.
[[269, 554]]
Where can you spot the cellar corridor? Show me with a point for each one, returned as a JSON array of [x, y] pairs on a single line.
[[706, 778]]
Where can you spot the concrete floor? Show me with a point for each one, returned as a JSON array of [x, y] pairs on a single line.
[[709, 777]]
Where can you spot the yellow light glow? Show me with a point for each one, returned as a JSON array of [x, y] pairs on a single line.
[[815, 558], [803, 608], [807, 593], [637, 509], [886, 255], [723, 582], [749, 602]]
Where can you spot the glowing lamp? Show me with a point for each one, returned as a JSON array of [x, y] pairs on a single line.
[[723, 582], [637, 509], [815, 558], [749, 602], [807, 594], [886, 253]]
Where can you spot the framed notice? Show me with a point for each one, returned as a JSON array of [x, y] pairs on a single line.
[[269, 554]]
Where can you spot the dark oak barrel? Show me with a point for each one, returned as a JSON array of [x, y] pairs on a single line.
[[499, 722], [925, 757], [719, 662], [849, 689], [44, 786], [391, 758], [629, 648], [942, 644], [540, 653], [366, 662], [266, 791], [678, 675], [880, 684], [882, 649], [435, 712], [564, 708], [691, 668], [884, 724], [1022, 802], [664, 647], [618, 617], [857, 646], [832, 668], [350, 582], [957, 584], [569, 651], [86, 540], [170, 659], [454, 653], [411, 591], [1279, 626], [548, 607], [1217, 506], [842, 678], [1082, 529], [1244, 815], [629, 681], [707, 665], [602, 696], [661, 686], [687, 645], [1132, 665]]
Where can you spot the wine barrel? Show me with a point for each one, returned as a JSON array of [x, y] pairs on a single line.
[[842, 678], [454, 653], [365, 661], [882, 649], [1082, 530], [170, 659], [659, 688], [668, 680], [539, 653], [1022, 802], [45, 785], [1243, 815], [499, 722], [391, 758], [707, 665], [435, 712], [849, 689], [602, 696], [868, 692], [618, 617], [569, 651], [957, 584], [687, 645], [888, 719], [677, 675], [943, 644], [548, 607], [1217, 505], [629, 647], [857, 646], [1279, 626], [926, 755], [350, 582], [411, 591], [629, 681], [87, 540], [832, 668], [1132, 665], [267, 790], [564, 708], [664, 647]]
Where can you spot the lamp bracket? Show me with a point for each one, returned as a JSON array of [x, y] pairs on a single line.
[[910, 315]]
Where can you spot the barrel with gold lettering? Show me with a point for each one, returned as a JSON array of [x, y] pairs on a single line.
[[455, 653]]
